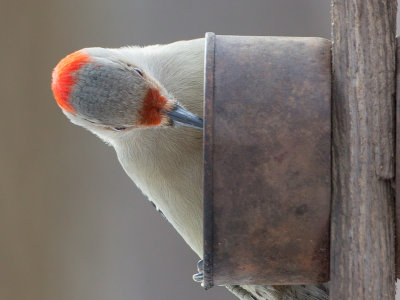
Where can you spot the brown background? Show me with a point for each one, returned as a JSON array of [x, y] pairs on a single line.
[[72, 224]]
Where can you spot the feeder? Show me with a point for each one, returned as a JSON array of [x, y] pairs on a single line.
[[267, 160]]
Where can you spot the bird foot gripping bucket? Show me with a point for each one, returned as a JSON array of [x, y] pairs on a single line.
[[267, 150]]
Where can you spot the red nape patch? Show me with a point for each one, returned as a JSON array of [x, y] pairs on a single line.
[[63, 79], [150, 114]]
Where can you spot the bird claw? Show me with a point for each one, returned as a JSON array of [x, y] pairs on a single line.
[[199, 277], [200, 266]]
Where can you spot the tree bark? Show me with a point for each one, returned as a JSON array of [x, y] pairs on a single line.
[[363, 89]]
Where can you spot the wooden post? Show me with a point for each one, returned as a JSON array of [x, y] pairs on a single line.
[[362, 232]]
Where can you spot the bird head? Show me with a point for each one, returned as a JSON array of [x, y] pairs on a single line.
[[106, 91]]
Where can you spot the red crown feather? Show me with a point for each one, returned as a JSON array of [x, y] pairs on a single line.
[[63, 77]]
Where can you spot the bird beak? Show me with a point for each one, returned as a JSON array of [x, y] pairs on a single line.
[[182, 117]]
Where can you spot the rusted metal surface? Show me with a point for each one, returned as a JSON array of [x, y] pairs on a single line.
[[208, 165], [397, 204], [267, 160]]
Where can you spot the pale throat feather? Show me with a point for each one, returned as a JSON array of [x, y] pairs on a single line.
[[169, 173]]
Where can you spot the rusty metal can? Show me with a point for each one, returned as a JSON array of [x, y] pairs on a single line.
[[267, 156]]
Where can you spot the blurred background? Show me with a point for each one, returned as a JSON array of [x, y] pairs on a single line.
[[72, 224]]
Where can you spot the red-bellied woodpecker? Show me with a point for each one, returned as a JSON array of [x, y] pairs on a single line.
[[147, 102]]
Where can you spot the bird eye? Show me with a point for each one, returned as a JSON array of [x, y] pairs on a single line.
[[119, 128], [140, 72]]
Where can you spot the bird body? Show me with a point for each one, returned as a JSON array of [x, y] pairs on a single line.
[[137, 99], [166, 173]]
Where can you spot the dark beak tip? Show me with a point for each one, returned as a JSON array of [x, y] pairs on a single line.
[[182, 117]]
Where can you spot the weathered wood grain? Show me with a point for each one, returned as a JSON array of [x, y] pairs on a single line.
[[363, 86]]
